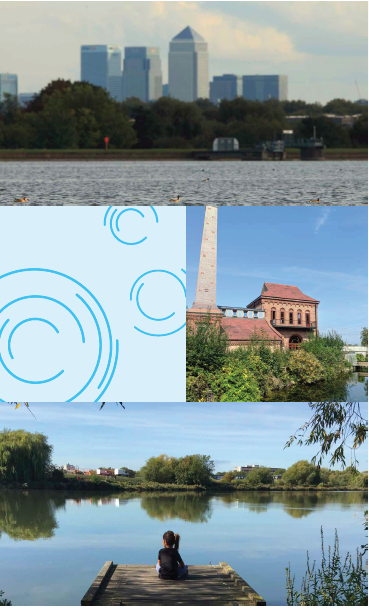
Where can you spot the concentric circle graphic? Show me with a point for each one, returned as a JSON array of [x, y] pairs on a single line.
[[140, 286], [116, 215], [67, 330]]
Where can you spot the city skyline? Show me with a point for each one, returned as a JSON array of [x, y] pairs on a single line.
[[251, 433], [243, 38]]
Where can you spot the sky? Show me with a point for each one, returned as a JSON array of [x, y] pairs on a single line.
[[232, 434], [321, 46], [323, 251]]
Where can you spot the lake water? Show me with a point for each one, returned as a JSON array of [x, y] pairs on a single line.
[[155, 182], [344, 388], [53, 543]]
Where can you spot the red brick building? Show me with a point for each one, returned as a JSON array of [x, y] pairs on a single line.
[[288, 310]]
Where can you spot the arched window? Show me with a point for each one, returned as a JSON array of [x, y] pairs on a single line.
[[295, 342], [299, 317], [282, 316], [272, 316], [307, 319], [290, 315]]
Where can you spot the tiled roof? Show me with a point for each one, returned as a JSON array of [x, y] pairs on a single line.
[[189, 34], [285, 292], [243, 329]]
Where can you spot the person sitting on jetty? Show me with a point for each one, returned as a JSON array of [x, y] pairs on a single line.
[[170, 564]]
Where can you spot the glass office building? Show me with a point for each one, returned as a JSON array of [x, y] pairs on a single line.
[[188, 66], [142, 76], [227, 86], [8, 84], [261, 88], [101, 65]]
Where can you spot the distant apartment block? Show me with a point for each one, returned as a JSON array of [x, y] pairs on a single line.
[[165, 91], [101, 65], [341, 121], [25, 98], [250, 467], [227, 86], [8, 84], [142, 76], [188, 66], [261, 88]]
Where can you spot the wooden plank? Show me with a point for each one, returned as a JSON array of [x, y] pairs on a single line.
[[90, 595]]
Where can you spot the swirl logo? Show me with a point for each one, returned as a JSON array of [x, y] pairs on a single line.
[[113, 222], [53, 330], [158, 281]]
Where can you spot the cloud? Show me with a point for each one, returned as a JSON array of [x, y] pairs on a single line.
[[322, 220]]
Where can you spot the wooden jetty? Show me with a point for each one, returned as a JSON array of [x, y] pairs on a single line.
[[129, 585]]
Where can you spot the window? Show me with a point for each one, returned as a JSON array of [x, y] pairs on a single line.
[[299, 318], [235, 313], [291, 318], [255, 314], [273, 316], [307, 319], [282, 317]]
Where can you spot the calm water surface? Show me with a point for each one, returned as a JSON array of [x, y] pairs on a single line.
[[53, 543], [155, 182], [345, 388]]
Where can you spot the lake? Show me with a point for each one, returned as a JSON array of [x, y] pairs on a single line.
[[53, 543], [352, 387], [155, 182]]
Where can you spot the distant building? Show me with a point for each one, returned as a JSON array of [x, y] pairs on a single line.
[[341, 121], [165, 90], [228, 86], [101, 65], [220, 144], [188, 66], [250, 467], [25, 98], [106, 472], [70, 468], [8, 84], [142, 76], [120, 472], [261, 88], [362, 102]]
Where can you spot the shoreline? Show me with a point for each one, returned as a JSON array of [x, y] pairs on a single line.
[[113, 488], [158, 154]]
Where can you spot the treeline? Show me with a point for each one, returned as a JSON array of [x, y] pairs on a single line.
[[79, 115], [214, 373]]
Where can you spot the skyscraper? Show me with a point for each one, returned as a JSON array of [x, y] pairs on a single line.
[[101, 65], [261, 88], [188, 66], [142, 75], [227, 86], [8, 84]]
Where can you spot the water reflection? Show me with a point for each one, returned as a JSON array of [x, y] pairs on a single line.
[[348, 387], [31, 515]]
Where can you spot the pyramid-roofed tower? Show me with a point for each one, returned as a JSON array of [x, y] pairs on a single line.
[[189, 34], [188, 66]]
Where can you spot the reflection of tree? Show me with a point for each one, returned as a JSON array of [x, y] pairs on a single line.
[[29, 515], [189, 506]]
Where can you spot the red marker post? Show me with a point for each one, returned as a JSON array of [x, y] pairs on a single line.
[[106, 141]]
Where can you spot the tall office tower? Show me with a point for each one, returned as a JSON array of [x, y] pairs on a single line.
[[101, 65], [25, 98], [8, 84], [261, 88], [142, 75], [188, 66], [227, 86]]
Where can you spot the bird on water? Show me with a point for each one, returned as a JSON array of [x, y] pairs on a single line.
[[120, 403], [175, 200], [317, 200], [21, 200]]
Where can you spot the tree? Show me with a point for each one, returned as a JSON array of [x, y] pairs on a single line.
[[229, 476], [302, 473], [206, 346], [24, 456], [130, 472], [160, 469], [333, 426], [364, 336], [194, 470], [260, 476], [4, 602]]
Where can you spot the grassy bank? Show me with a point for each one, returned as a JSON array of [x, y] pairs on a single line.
[[169, 154], [252, 373]]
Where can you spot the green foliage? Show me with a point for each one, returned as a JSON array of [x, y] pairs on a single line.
[[234, 382], [160, 469], [206, 346], [130, 472], [194, 470], [4, 601], [361, 358], [302, 473], [337, 582], [229, 476], [24, 456], [305, 367], [328, 349], [364, 336], [260, 476], [332, 426]]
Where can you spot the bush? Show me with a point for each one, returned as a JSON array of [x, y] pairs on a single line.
[[302, 473], [235, 383], [305, 367], [206, 347]]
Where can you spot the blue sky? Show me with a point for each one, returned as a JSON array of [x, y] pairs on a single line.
[[321, 46], [232, 434], [323, 251]]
